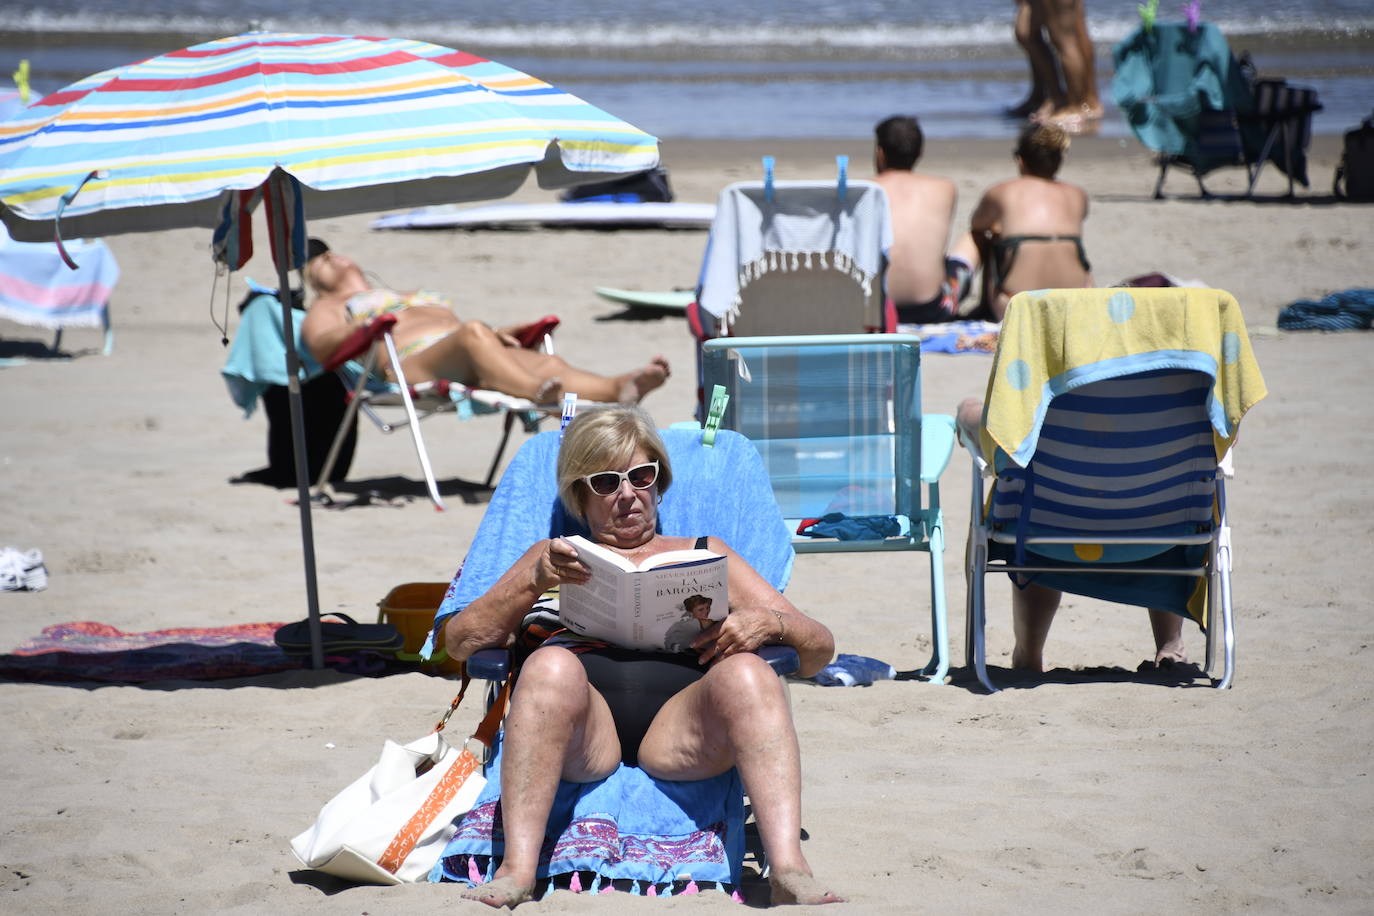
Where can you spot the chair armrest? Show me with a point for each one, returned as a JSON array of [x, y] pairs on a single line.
[[489, 664], [360, 340], [532, 335], [937, 444]]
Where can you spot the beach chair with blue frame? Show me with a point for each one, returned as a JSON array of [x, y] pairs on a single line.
[[1109, 420], [648, 832], [837, 421]]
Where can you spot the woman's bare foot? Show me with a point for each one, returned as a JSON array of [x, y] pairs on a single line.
[[499, 892], [635, 385], [800, 888], [550, 391]]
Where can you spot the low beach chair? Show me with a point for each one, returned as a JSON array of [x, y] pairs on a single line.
[[400, 405], [629, 829], [838, 423], [1185, 95], [1107, 428]]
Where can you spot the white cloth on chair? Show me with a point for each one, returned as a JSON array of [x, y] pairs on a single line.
[[752, 236]]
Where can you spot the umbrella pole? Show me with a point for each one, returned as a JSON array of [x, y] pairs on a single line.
[[281, 245]]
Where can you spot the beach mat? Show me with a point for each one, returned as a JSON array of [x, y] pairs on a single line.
[[90, 651]]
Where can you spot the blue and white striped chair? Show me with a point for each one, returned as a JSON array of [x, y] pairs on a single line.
[[1109, 475]]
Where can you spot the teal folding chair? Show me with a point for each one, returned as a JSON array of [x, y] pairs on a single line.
[[837, 420]]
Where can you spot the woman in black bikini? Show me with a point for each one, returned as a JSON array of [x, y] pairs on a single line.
[[579, 709], [1027, 233]]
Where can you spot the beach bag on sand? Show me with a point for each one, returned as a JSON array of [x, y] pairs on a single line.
[[392, 823], [1355, 175]]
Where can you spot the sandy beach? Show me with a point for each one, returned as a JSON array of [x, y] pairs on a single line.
[[1089, 789]]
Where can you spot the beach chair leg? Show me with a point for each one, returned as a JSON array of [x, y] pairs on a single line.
[[1159, 182], [414, 422], [350, 411], [938, 666], [976, 624], [1222, 574]]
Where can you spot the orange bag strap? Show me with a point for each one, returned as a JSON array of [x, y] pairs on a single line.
[[491, 722]]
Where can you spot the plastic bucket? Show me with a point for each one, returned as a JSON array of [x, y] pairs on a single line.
[[410, 608]]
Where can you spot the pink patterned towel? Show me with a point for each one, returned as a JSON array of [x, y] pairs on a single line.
[[90, 651]]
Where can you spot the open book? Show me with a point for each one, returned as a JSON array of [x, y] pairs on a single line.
[[661, 605]]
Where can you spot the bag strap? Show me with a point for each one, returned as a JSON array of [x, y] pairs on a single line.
[[491, 722]]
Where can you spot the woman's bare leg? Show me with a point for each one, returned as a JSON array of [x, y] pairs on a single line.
[[475, 355], [1032, 609], [626, 388], [1045, 91], [1068, 31], [1168, 632], [558, 728], [737, 715]]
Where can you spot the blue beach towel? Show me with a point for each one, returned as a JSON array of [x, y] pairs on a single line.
[[1351, 310], [630, 829]]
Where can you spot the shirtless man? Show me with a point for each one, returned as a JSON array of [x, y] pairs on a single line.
[[1027, 233], [921, 283], [434, 343]]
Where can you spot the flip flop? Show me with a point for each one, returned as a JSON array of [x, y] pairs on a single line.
[[349, 636]]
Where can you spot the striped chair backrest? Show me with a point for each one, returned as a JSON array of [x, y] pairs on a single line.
[[1128, 456]]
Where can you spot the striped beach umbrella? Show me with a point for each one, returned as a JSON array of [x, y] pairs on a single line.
[[325, 125], [362, 123]]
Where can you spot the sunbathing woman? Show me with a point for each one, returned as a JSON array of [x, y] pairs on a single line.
[[1027, 233], [580, 708], [434, 343]]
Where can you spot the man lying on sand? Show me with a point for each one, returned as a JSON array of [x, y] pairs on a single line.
[[434, 343]]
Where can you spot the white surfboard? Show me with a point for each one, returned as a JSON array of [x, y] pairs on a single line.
[[593, 215], [673, 300]]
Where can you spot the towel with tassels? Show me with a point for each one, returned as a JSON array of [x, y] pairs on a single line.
[[625, 832]]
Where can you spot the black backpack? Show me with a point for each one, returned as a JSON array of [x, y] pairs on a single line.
[[1355, 175]]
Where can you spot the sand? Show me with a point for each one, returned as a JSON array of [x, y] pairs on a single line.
[[1089, 790]]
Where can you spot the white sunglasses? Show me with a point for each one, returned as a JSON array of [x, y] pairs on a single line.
[[641, 477]]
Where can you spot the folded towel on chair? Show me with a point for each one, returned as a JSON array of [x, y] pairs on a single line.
[[1108, 333]]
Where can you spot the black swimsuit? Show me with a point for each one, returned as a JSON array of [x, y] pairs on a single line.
[[1004, 253], [636, 684]]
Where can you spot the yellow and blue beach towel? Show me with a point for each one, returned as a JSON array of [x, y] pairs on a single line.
[[1053, 341]]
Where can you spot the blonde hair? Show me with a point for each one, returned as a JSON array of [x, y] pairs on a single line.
[[1041, 148], [601, 438]]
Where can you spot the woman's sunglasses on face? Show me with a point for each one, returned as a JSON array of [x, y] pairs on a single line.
[[641, 477]]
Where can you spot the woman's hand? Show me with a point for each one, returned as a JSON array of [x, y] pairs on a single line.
[[743, 630], [557, 564]]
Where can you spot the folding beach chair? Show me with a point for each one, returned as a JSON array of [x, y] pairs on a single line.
[[379, 400], [1185, 96], [1107, 429], [647, 832], [838, 423], [795, 257]]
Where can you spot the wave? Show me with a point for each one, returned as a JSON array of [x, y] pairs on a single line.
[[669, 39]]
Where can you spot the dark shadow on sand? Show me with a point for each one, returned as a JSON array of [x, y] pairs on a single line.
[[1184, 675], [392, 491]]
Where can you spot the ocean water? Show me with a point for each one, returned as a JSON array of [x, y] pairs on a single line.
[[726, 69]]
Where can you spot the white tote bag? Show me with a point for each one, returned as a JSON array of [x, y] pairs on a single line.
[[392, 823]]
